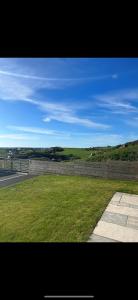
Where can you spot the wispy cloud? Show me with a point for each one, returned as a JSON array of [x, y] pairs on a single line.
[[120, 101], [63, 113], [37, 130], [19, 80], [70, 118], [25, 76], [17, 137], [17, 85], [49, 106]]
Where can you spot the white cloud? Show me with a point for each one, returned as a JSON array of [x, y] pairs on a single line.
[[62, 113], [120, 101], [70, 118], [47, 119], [20, 79], [25, 76], [17, 83], [17, 137], [37, 130]]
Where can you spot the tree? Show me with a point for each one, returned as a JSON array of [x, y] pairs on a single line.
[[55, 149]]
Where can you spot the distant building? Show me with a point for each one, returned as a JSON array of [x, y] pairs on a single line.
[[10, 154]]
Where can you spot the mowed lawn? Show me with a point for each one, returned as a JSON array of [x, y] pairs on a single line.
[[52, 208]]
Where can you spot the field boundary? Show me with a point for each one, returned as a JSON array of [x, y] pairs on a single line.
[[110, 169]]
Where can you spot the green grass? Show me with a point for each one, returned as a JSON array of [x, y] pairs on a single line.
[[128, 153], [52, 208], [81, 152]]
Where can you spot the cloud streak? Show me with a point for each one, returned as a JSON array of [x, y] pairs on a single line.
[[37, 130], [17, 137], [119, 102], [71, 119], [25, 76], [17, 85]]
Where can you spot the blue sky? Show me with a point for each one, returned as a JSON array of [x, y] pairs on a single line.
[[68, 102]]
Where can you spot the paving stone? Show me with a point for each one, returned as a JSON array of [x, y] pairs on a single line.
[[123, 204], [114, 218], [130, 195], [127, 205], [116, 197], [119, 221], [128, 211], [132, 222], [130, 199], [97, 238], [116, 232], [114, 202], [133, 206]]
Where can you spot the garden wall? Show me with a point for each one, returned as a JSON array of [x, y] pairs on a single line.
[[21, 165], [112, 169]]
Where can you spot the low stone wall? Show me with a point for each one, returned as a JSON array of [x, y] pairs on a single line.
[[21, 165], [111, 169]]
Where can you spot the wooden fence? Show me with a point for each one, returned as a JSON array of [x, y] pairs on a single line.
[[111, 169]]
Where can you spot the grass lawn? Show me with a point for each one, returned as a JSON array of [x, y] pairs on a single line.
[[52, 208], [80, 152]]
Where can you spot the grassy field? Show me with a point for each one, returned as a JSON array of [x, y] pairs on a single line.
[[126, 152], [54, 208], [82, 153]]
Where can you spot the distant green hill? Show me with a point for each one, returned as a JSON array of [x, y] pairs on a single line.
[[127, 151]]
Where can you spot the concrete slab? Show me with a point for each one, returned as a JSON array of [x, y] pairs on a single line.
[[132, 222], [116, 198], [116, 232], [98, 239], [123, 204], [129, 199], [128, 211], [113, 202], [133, 206], [119, 221], [114, 218], [127, 205]]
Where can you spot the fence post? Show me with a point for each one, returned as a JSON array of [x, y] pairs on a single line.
[[11, 164], [29, 161]]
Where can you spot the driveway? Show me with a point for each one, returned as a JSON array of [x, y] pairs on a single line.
[[8, 177]]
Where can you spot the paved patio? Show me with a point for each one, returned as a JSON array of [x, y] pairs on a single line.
[[119, 222]]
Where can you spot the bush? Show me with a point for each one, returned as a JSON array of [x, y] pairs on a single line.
[[55, 149]]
